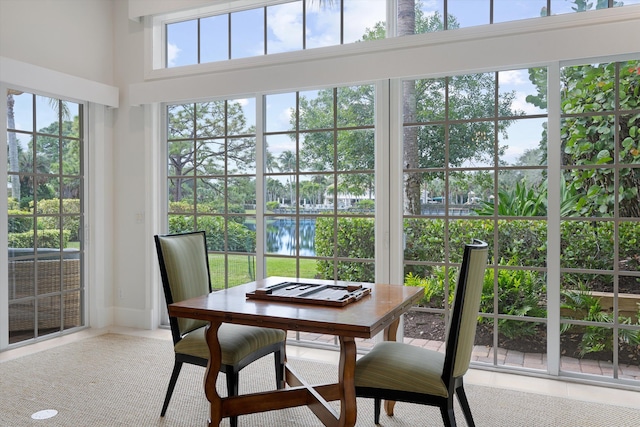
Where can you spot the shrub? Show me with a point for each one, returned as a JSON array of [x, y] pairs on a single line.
[[70, 224], [273, 205], [239, 238], [355, 239], [21, 222], [45, 239]]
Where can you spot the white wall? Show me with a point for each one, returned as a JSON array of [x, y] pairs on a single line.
[[70, 36], [65, 48], [134, 302]]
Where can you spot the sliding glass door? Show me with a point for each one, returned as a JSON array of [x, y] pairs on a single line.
[[45, 181]]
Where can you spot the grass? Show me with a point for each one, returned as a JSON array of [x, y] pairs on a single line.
[[241, 269]]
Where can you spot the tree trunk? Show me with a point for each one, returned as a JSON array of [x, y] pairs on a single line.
[[14, 166], [412, 180]]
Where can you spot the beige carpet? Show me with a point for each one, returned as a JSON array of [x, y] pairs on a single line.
[[120, 380]]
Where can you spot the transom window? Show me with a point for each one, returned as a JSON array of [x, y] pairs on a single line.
[[253, 28]]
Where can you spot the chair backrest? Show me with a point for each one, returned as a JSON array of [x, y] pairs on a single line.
[[184, 267], [466, 305]]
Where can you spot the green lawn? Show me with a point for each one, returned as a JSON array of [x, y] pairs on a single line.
[[242, 269]]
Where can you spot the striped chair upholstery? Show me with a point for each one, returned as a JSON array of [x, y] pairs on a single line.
[[184, 267], [402, 372]]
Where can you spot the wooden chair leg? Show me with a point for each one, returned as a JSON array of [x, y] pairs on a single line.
[[279, 362], [232, 390], [466, 409], [448, 416], [172, 384]]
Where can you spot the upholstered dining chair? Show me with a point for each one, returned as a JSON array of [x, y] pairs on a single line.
[[184, 267], [396, 371]]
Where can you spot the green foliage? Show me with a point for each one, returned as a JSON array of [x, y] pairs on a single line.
[[433, 286], [366, 204], [520, 293], [21, 222], [595, 338], [239, 238], [44, 239], [52, 207], [271, 206], [523, 201], [355, 239], [13, 204], [590, 132]]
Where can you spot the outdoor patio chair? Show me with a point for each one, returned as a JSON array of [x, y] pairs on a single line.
[[184, 267], [395, 371]]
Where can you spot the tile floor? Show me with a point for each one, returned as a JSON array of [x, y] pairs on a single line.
[[532, 384]]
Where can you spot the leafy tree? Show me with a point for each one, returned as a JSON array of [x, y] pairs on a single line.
[[355, 108], [588, 133], [588, 138], [469, 96], [199, 144]]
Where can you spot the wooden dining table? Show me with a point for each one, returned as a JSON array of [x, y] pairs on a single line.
[[378, 311]]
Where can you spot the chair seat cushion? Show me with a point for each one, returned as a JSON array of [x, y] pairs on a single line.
[[397, 366], [236, 341]]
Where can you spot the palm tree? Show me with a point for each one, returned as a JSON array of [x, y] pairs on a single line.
[[14, 165], [14, 158], [288, 164]]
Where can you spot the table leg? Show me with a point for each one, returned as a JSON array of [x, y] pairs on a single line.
[[390, 334], [346, 375], [211, 375]]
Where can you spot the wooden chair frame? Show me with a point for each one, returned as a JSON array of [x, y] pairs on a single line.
[[454, 385], [231, 371]]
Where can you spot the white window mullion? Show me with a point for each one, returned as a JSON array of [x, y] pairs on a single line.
[[4, 229], [260, 187], [553, 219], [396, 191]]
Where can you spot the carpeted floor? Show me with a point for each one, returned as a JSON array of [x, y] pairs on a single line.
[[120, 380]]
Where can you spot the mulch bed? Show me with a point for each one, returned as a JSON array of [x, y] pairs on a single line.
[[431, 326]]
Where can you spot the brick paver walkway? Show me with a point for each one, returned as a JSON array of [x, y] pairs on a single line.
[[504, 357]]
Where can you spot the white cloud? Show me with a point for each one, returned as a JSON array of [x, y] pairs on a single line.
[[513, 77], [172, 54], [520, 103], [281, 20]]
